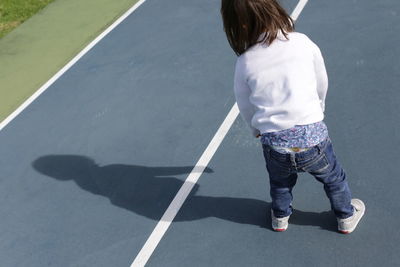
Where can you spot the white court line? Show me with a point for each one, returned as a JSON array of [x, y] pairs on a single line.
[[183, 193], [169, 215], [32, 98], [297, 11]]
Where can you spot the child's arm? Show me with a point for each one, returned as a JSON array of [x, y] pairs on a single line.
[[322, 77], [242, 94]]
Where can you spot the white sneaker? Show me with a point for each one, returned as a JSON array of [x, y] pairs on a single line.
[[279, 224], [346, 226]]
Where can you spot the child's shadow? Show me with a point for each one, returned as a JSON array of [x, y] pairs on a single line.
[[148, 191]]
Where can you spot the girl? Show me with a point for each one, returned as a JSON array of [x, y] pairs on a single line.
[[280, 87]]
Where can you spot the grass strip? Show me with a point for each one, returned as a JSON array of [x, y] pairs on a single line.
[[15, 12]]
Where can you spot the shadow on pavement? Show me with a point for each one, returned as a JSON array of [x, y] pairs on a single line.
[[148, 191]]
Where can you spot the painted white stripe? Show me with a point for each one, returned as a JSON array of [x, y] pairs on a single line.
[[183, 193], [299, 7], [32, 98], [169, 215]]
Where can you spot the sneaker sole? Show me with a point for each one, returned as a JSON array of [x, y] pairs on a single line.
[[352, 229], [278, 229]]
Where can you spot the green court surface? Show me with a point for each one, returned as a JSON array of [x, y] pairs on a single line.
[[38, 48]]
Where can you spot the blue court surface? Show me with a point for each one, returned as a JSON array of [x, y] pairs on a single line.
[[89, 168]]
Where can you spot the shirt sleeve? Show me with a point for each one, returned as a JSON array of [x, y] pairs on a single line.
[[242, 94], [321, 75]]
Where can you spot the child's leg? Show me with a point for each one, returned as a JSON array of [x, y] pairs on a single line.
[[328, 171], [281, 194], [282, 180]]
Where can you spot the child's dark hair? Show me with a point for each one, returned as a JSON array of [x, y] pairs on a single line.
[[245, 21]]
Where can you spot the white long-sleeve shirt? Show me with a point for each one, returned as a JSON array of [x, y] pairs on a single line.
[[281, 85]]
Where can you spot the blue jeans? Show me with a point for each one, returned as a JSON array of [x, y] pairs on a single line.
[[320, 161]]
